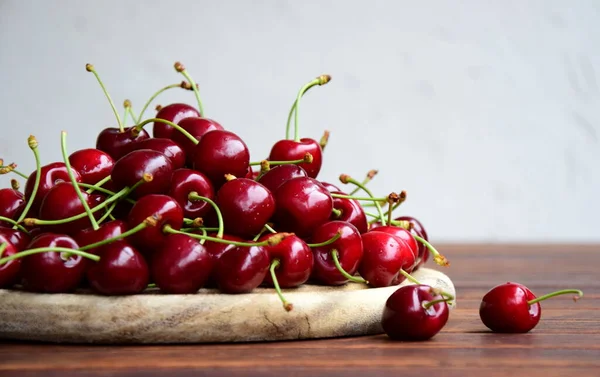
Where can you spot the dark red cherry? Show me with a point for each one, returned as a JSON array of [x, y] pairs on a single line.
[[349, 248], [219, 153], [62, 202], [17, 238], [52, 271], [351, 211], [280, 174], [383, 257], [165, 146], [246, 206], [241, 269], [505, 309], [116, 143], [165, 209], [132, 167], [181, 265], [295, 261], [93, 165], [185, 181], [418, 229], [121, 270], [287, 150], [12, 204], [51, 174], [197, 127], [301, 205], [404, 235], [409, 315], [216, 249], [106, 231], [174, 113], [9, 271]]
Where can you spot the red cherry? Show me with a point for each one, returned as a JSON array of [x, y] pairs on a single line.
[[287, 150], [132, 167], [165, 209], [280, 174], [9, 271], [52, 271], [51, 174], [197, 127], [165, 146], [93, 165], [12, 204], [241, 269], [116, 143], [15, 237], [121, 270], [174, 112], [221, 152], [216, 249], [351, 211], [106, 231], [383, 257], [404, 235], [301, 205], [246, 206], [181, 265], [414, 312], [62, 202], [349, 250], [295, 261], [185, 181], [332, 188], [418, 229]]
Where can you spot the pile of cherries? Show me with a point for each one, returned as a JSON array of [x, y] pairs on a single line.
[[187, 209]]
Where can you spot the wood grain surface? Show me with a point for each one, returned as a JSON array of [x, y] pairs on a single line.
[[565, 343]]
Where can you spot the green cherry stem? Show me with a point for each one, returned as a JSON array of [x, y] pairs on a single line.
[[428, 304], [272, 241], [557, 293], [98, 185], [308, 158], [150, 221], [14, 223], [147, 104], [409, 277], [345, 178], [49, 249], [321, 80], [370, 175], [108, 213], [262, 231], [270, 228], [437, 257], [359, 198], [137, 129], [336, 260], [336, 212], [181, 69], [2, 248], [11, 168], [327, 242], [286, 305], [193, 196], [126, 106], [102, 190], [84, 203], [90, 68], [33, 145]]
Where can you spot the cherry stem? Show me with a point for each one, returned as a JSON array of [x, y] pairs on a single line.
[[437, 257], [327, 242], [360, 198], [336, 212], [357, 279], [286, 305], [108, 213], [150, 221], [409, 277], [262, 231], [270, 228], [138, 119], [393, 206], [181, 69], [428, 304], [321, 80], [84, 203], [49, 249], [193, 196], [308, 158], [102, 190], [137, 129], [15, 224], [98, 185], [324, 140], [344, 178], [126, 105], [33, 145], [370, 175], [2, 248], [273, 240], [90, 68], [557, 293]]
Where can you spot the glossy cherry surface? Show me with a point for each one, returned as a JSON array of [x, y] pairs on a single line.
[[9, 271], [185, 181], [418, 229], [62, 202], [288, 150], [403, 234], [197, 127], [165, 146], [280, 174], [93, 165], [383, 257], [131, 168], [505, 309], [295, 261], [216, 249], [116, 143], [351, 211], [106, 231], [174, 113], [17, 238], [51, 174], [241, 269], [12, 204]]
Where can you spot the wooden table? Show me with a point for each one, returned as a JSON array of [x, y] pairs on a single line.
[[565, 343]]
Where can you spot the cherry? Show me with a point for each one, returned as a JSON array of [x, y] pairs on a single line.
[[165, 146], [332, 188], [93, 165], [246, 206], [221, 152], [15, 237], [415, 313], [285, 150], [132, 168], [351, 211], [121, 270], [117, 143], [181, 265], [187, 181], [9, 271], [513, 308], [12, 204], [216, 249], [404, 235], [241, 269], [294, 260], [50, 175], [106, 231], [280, 174], [165, 210], [62, 202], [52, 271], [302, 204], [337, 262], [174, 112], [416, 228], [197, 127], [384, 255]]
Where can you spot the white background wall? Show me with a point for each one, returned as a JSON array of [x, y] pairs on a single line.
[[486, 112]]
